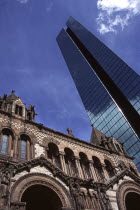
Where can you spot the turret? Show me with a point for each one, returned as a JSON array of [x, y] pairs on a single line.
[[13, 104]]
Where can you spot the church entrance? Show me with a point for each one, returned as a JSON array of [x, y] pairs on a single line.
[[132, 201], [40, 197]]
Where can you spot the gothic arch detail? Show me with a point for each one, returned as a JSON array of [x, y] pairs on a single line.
[[30, 135], [47, 140], [38, 178], [8, 128], [110, 160], [7, 141], [125, 188]]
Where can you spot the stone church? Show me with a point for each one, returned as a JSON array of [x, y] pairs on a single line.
[[43, 169]]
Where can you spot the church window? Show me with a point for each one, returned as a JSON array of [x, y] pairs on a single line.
[[18, 110], [109, 168], [4, 144], [23, 149], [84, 165], [29, 116], [70, 162], [53, 154], [98, 168]]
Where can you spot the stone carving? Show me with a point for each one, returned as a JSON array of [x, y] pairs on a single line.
[[81, 193], [42, 179], [18, 206], [6, 173], [48, 140], [8, 170], [124, 188], [74, 185]]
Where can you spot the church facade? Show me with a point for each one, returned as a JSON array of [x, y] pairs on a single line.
[[42, 169]]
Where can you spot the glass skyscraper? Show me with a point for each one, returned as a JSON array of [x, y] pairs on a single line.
[[108, 87]]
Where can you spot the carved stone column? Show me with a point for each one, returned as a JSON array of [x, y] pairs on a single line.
[[15, 147], [9, 145], [93, 201], [46, 150], [106, 177], [93, 173], [28, 150], [84, 171], [62, 160], [70, 171], [32, 151], [80, 173], [0, 138]]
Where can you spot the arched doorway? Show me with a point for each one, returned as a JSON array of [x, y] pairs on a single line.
[[41, 197], [128, 196], [132, 201]]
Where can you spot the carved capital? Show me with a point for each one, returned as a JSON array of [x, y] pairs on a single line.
[[103, 165], [62, 153], [76, 158], [90, 161]]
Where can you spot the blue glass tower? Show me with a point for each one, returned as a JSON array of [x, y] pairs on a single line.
[[108, 87]]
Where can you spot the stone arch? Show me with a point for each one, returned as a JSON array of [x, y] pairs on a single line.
[[109, 168], [53, 154], [28, 146], [98, 168], [25, 134], [10, 129], [84, 163], [30, 135], [97, 155], [70, 162], [7, 137], [110, 160], [125, 188], [19, 103], [47, 140], [29, 180]]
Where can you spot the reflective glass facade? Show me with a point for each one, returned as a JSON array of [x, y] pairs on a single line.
[[108, 87]]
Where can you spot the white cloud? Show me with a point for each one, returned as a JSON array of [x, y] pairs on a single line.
[[116, 13], [23, 1]]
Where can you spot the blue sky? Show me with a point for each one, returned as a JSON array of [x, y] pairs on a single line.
[[31, 62]]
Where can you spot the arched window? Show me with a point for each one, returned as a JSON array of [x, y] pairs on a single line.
[[18, 110], [85, 165], [109, 168], [29, 116], [98, 168], [6, 142], [70, 162], [53, 154], [25, 147]]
